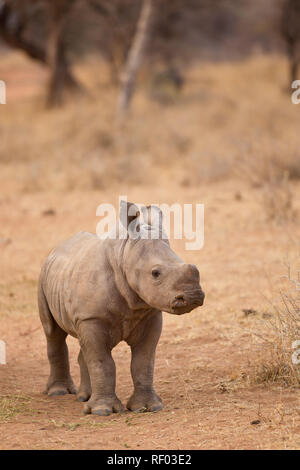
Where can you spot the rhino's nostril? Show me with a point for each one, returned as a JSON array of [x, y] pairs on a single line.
[[179, 301], [180, 297]]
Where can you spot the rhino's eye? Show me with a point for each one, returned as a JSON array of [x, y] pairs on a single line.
[[155, 273]]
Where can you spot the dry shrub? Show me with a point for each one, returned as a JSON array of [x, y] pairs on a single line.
[[267, 160], [278, 198], [274, 363]]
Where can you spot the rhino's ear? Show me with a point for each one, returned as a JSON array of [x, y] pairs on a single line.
[[128, 213], [153, 216]]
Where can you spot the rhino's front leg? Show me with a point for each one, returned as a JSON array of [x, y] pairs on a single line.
[[94, 343], [143, 348], [85, 389]]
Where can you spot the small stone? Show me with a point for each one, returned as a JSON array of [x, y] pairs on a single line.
[[49, 212], [255, 421]]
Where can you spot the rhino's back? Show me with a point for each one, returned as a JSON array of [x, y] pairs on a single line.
[[68, 273], [69, 253], [71, 246]]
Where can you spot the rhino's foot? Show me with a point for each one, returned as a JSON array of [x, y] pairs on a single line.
[[83, 395], [60, 388], [142, 401], [103, 407]]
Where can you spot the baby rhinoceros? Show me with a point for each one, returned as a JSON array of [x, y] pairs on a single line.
[[103, 290]]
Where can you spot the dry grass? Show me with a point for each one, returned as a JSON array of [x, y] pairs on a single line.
[[272, 173], [12, 405], [278, 198], [226, 114], [273, 362]]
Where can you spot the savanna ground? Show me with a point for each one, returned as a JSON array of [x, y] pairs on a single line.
[[230, 140]]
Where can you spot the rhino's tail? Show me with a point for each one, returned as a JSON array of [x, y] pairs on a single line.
[[46, 317]]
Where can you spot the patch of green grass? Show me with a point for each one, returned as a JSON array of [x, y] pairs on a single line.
[[68, 426], [129, 421], [94, 424], [12, 405]]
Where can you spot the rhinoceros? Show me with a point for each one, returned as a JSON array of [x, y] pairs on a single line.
[[103, 290]]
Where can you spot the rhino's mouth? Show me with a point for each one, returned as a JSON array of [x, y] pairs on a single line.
[[180, 310], [184, 304]]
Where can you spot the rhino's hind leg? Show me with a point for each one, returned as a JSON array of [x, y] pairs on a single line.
[[60, 381], [85, 389]]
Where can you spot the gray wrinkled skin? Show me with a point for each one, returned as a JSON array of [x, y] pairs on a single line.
[[104, 291]]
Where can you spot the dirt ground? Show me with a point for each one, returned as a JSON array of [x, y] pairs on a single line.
[[202, 356], [198, 355]]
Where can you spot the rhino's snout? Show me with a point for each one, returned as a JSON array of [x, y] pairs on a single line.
[[183, 302], [202, 297]]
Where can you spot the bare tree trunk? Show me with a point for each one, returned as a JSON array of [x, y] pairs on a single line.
[[12, 26], [135, 57], [294, 64], [13, 22], [290, 18], [61, 77]]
